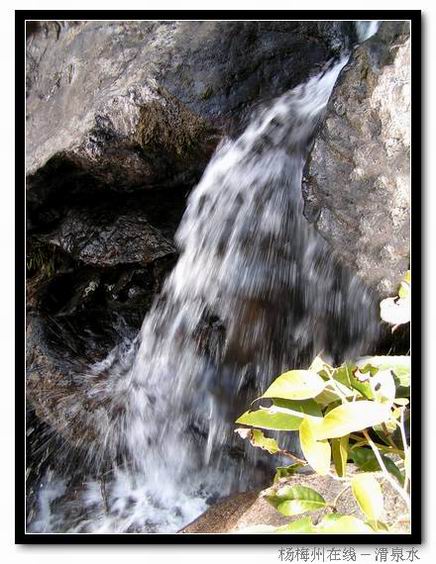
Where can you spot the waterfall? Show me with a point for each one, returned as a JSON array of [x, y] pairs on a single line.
[[255, 291], [365, 30]]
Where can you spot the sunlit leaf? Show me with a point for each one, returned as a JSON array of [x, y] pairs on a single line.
[[326, 397], [395, 311], [303, 525], [368, 494], [270, 418], [340, 455], [300, 408], [348, 376], [283, 415], [378, 526], [383, 387], [400, 366], [258, 439], [342, 524], [285, 471], [296, 385], [316, 452], [407, 462], [350, 417], [404, 291], [320, 366], [293, 500]]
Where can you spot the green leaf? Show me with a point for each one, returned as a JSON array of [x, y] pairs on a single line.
[[368, 495], [336, 523], [296, 385], [316, 452], [303, 525], [340, 455], [283, 415], [383, 387], [300, 408], [270, 418], [320, 367], [407, 462], [293, 500], [350, 417], [400, 366], [327, 396], [258, 439], [404, 290], [365, 460], [285, 471], [348, 376], [378, 526]]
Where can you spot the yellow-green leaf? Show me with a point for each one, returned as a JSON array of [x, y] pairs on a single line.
[[293, 500], [270, 418], [316, 452], [319, 366], [303, 525], [368, 494], [296, 385], [258, 439], [407, 462], [342, 524], [340, 455], [350, 417], [400, 366], [285, 471], [383, 387]]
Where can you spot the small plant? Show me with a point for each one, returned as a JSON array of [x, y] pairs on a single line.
[[357, 413]]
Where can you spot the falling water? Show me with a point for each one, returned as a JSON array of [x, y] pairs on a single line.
[[255, 291]]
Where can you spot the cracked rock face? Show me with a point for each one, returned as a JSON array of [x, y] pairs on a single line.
[[357, 185], [109, 239]]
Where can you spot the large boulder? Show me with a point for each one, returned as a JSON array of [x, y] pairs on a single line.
[[125, 98], [357, 179], [248, 512]]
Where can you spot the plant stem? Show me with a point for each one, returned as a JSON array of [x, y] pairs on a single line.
[[386, 474], [339, 495], [405, 446], [295, 457], [336, 387]]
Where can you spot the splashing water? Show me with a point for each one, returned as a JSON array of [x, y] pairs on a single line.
[[255, 291], [365, 30]]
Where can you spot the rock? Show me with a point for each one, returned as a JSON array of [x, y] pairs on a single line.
[[126, 99], [110, 239], [246, 511], [356, 182]]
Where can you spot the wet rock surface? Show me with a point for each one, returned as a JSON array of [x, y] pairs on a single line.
[[356, 185]]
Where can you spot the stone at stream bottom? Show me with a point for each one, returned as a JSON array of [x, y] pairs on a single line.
[[243, 511]]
